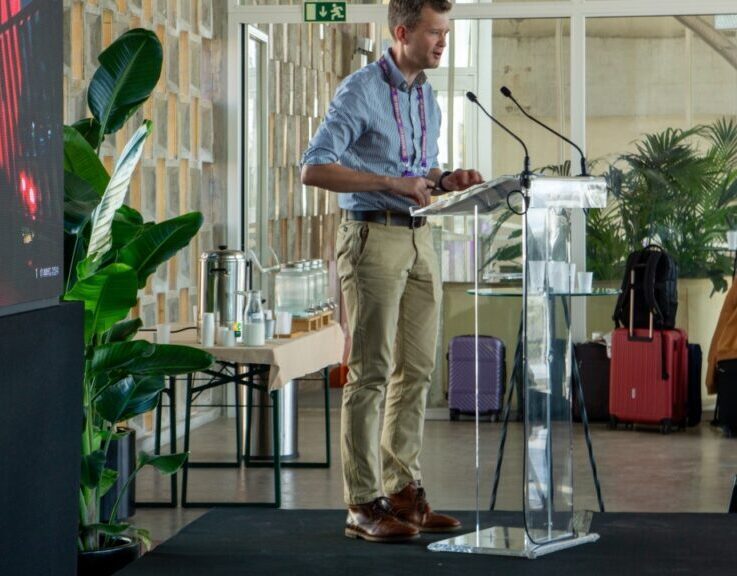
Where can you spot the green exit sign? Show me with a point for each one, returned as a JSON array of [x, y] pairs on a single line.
[[324, 11]]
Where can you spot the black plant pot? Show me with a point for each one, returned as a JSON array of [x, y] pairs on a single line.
[[121, 457], [107, 561]]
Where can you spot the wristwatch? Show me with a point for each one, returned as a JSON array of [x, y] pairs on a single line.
[[439, 183]]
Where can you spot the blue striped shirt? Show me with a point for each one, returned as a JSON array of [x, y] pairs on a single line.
[[360, 132]]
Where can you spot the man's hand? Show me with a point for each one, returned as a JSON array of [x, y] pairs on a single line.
[[416, 188], [461, 179]]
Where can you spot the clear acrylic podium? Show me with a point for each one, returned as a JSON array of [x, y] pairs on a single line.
[[550, 522]]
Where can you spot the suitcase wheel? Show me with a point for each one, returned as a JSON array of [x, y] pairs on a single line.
[[612, 425], [455, 415], [666, 427]]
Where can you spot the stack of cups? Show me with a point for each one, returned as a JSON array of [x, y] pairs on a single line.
[[208, 330]]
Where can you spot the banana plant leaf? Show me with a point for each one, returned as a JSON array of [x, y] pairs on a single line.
[[171, 359], [80, 200], [123, 331], [129, 397], [119, 356], [92, 467], [127, 224], [81, 160], [108, 296], [143, 358], [107, 481], [102, 218], [158, 243], [89, 128], [164, 463], [129, 70]]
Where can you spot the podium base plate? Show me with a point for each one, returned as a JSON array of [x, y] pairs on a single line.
[[509, 541]]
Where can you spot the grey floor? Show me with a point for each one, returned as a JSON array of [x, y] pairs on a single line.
[[640, 470]]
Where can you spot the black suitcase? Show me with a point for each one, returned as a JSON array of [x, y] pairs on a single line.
[[726, 377], [693, 399], [593, 368]]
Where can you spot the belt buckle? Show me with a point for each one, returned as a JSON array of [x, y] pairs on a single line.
[[416, 221]]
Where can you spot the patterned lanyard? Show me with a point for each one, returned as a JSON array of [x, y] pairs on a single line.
[[404, 155]]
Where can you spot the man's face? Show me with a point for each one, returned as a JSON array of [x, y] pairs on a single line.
[[425, 43]]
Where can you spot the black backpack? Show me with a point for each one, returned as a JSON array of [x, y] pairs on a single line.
[[651, 276]]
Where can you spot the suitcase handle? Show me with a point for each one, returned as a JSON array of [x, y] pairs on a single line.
[[631, 330]]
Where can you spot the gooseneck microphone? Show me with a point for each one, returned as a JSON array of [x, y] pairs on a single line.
[[508, 94], [525, 176]]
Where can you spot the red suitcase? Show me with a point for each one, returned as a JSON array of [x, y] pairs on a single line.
[[648, 377]]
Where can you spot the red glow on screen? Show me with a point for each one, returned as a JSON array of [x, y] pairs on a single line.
[[29, 193]]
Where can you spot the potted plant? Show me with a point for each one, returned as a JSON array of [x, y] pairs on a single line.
[[677, 189], [109, 254]]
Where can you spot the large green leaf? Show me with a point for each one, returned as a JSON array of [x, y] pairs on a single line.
[[108, 296], [80, 159], [159, 243], [127, 224], [129, 397], [172, 359], [102, 218], [107, 481], [128, 72], [164, 463], [92, 466], [89, 128], [119, 356], [123, 331], [80, 200]]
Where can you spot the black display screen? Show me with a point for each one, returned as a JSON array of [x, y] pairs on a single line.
[[31, 168]]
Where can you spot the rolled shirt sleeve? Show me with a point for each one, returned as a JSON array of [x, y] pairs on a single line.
[[343, 125]]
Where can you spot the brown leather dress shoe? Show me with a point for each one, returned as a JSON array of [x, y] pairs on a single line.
[[375, 522], [410, 505]]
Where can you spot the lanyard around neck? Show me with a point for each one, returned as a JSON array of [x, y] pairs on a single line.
[[403, 151]]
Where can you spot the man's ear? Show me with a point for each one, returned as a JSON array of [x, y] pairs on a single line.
[[400, 33]]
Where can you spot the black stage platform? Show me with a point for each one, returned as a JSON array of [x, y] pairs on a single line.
[[304, 542]]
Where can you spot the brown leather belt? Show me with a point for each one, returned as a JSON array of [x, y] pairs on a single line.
[[385, 217]]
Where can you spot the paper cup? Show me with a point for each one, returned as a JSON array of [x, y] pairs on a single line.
[[283, 323], [585, 282], [163, 333]]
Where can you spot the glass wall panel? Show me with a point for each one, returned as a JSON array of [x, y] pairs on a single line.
[[637, 81], [650, 81], [531, 57]]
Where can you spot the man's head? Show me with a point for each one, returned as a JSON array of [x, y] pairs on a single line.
[[419, 29], [408, 13]]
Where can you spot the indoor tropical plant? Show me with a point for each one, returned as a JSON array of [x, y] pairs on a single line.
[[109, 254], [678, 189]]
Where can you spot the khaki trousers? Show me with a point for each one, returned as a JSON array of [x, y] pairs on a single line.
[[392, 290]]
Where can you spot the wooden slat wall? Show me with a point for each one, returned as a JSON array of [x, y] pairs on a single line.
[[182, 168], [306, 64]]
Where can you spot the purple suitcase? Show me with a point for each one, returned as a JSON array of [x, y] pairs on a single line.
[[461, 375]]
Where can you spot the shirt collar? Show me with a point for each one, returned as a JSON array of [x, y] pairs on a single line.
[[396, 78]]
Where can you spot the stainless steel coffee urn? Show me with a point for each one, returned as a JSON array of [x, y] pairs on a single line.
[[224, 275]]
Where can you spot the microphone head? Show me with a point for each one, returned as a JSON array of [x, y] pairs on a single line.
[[506, 91], [471, 96]]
